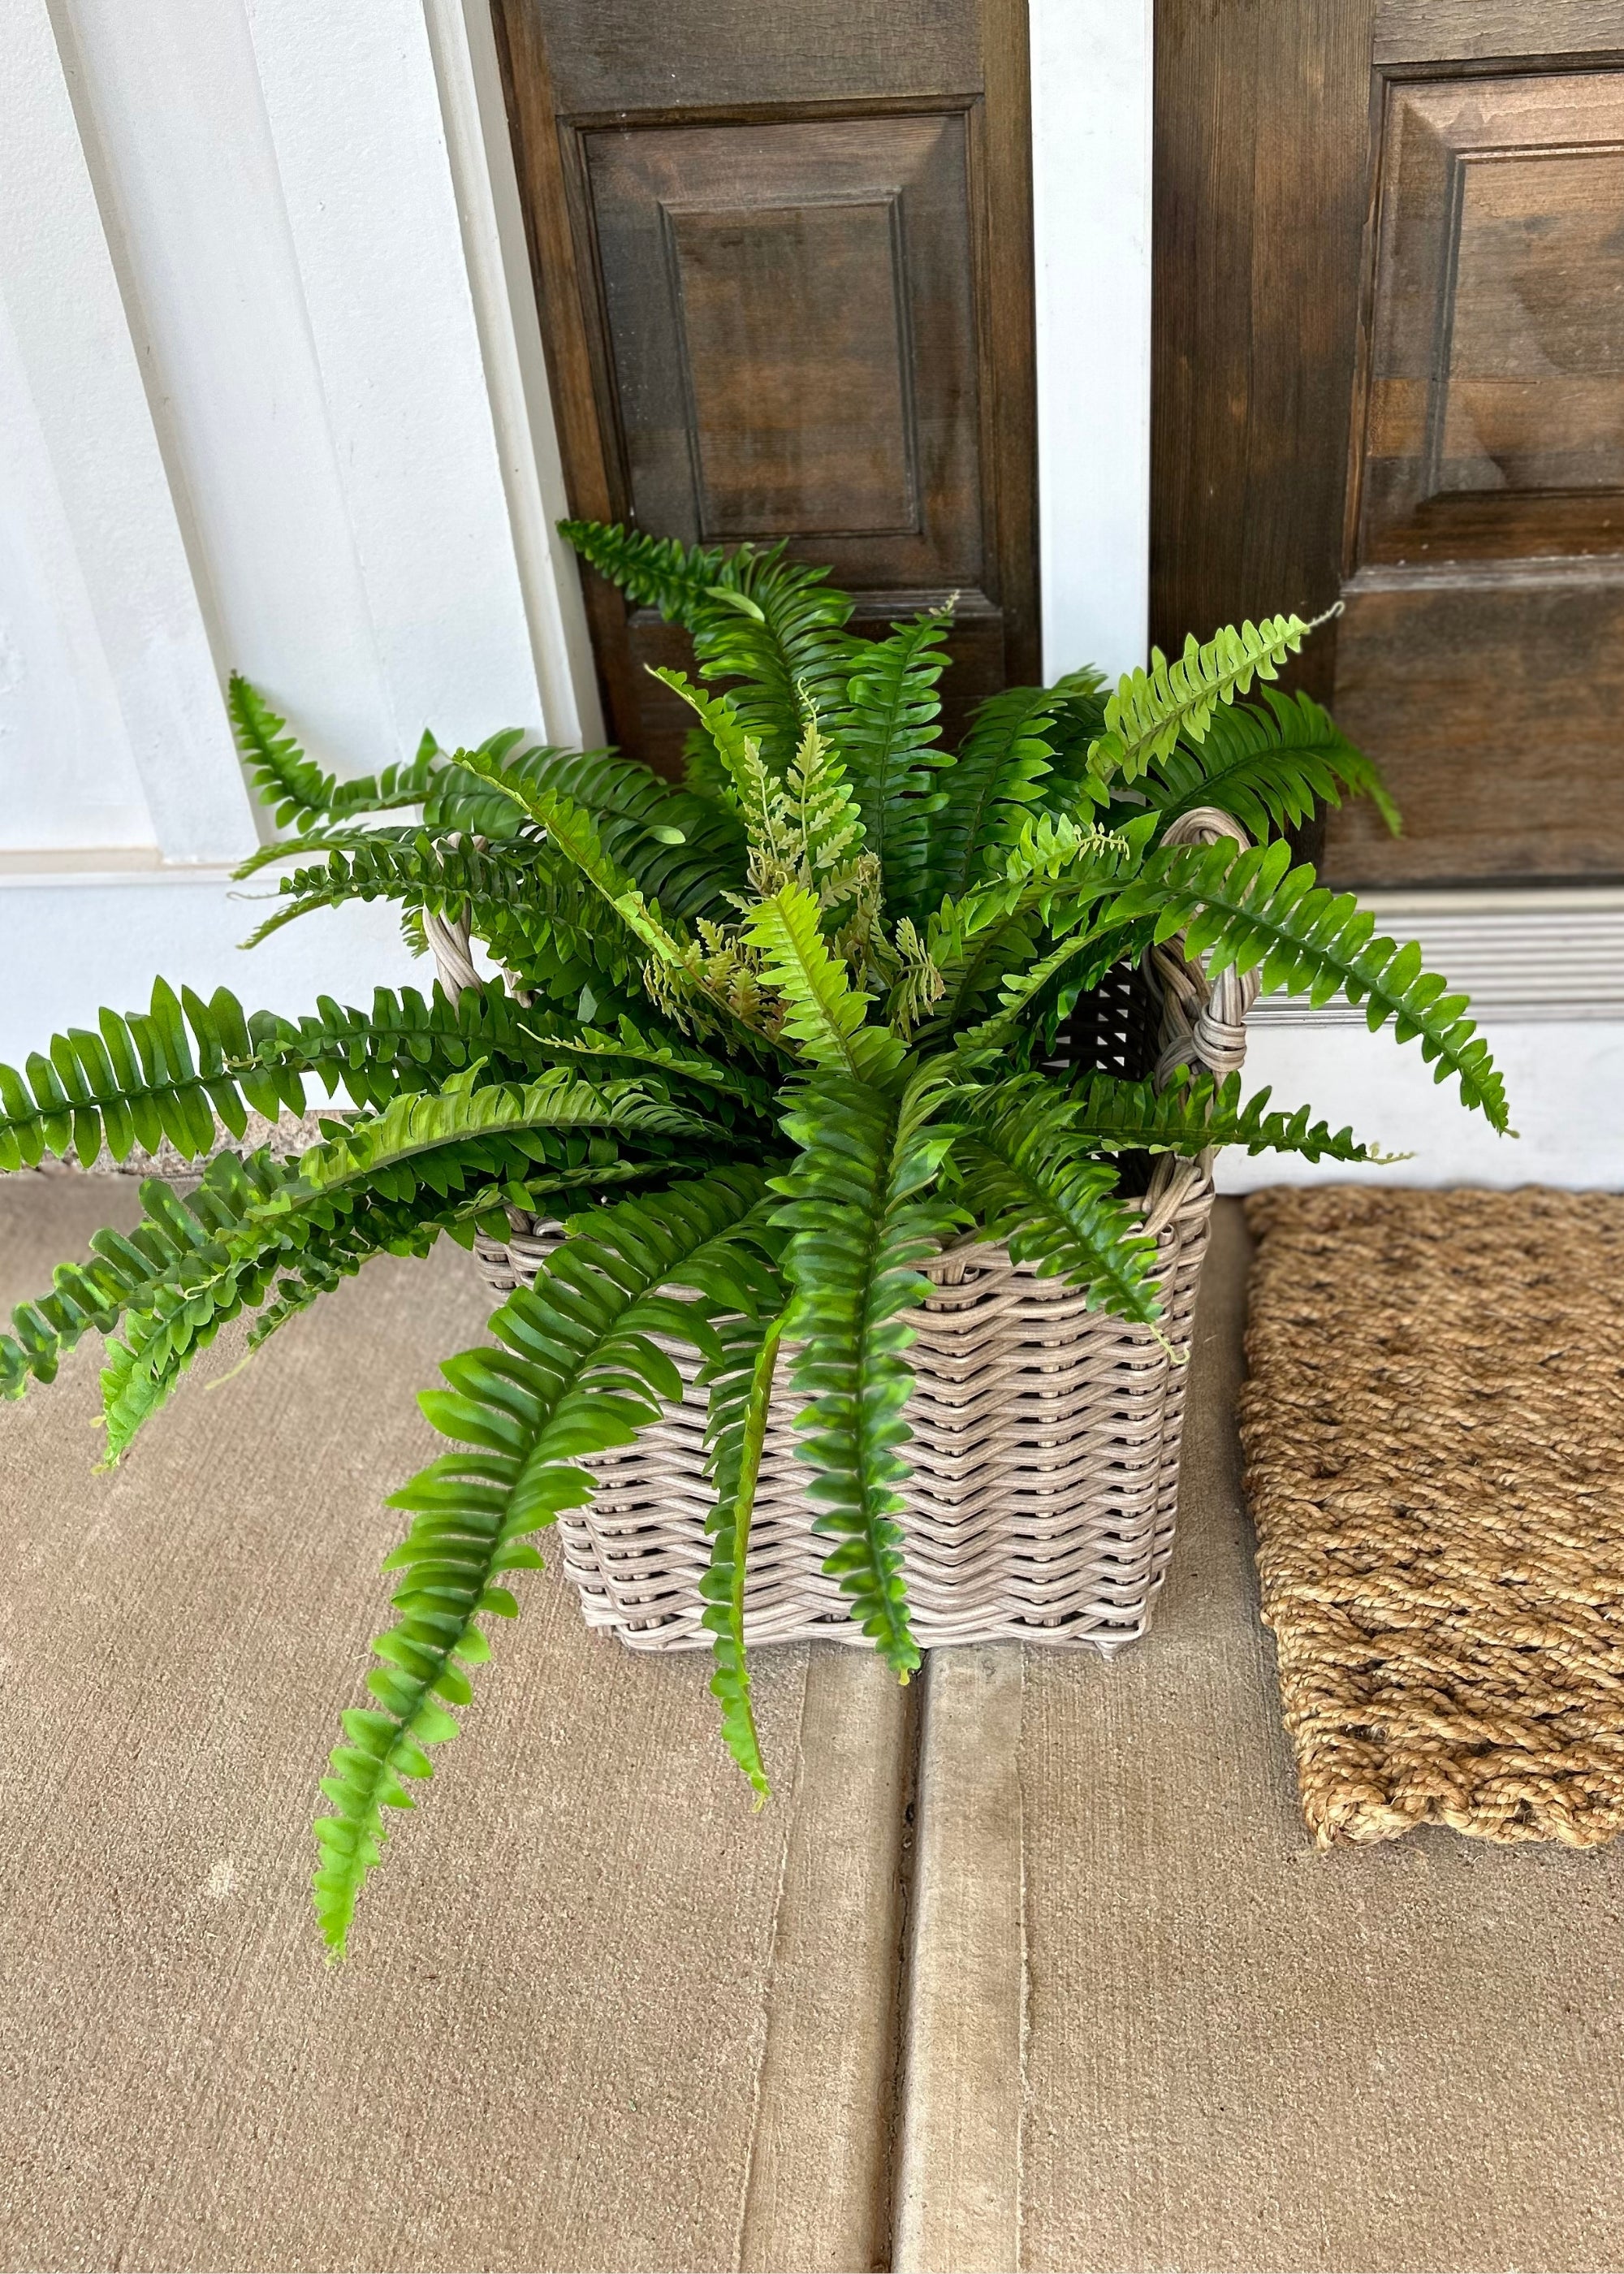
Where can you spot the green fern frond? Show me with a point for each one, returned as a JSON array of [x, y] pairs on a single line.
[[501, 1141], [740, 1391], [1252, 911], [1188, 1115], [413, 1125], [1151, 710], [783, 643], [678, 849], [403, 1044], [1031, 1183], [889, 725], [577, 1370], [632, 1047], [297, 788], [88, 1297], [653, 572], [140, 1079], [862, 1214], [1267, 764], [575, 833], [824, 1014], [777, 627], [989, 788], [408, 865]]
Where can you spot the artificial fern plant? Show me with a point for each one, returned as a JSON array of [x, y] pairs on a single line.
[[764, 1041]]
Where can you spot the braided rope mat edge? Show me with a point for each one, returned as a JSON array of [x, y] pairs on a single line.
[[1433, 1436]]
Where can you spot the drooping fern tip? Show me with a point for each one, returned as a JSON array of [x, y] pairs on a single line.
[[763, 1043]]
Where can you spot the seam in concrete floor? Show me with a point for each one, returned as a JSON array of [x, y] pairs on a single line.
[[959, 2195], [819, 2198]]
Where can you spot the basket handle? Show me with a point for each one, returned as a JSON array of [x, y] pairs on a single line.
[[449, 945], [1204, 1023], [453, 965]]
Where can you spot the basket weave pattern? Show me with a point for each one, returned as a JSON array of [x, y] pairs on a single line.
[[1046, 1436]]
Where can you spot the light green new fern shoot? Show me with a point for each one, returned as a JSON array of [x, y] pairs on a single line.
[[765, 1042]]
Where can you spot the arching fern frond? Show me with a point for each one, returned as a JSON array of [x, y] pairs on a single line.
[[890, 723], [655, 572], [410, 866], [461, 1147], [740, 1389], [989, 789], [136, 1080], [575, 833], [1252, 910], [1030, 1182], [576, 1370], [825, 1016], [775, 626], [631, 1048], [1151, 709], [1188, 1115], [1267, 763], [296, 789], [863, 1214], [680, 850], [783, 643], [410, 1127]]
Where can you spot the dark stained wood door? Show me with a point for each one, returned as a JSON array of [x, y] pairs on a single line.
[[783, 259], [1389, 370]]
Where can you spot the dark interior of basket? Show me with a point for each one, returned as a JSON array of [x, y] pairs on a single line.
[[1116, 1029]]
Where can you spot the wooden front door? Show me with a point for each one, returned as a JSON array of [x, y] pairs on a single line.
[[1389, 370], [784, 259]]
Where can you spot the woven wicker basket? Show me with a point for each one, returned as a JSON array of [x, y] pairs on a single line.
[[1046, 1437]]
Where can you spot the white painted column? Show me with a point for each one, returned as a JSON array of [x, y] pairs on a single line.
[[272, 397], [1090, 141]]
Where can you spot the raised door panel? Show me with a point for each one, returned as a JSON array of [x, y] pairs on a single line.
[[1389, 368], [792, 324], [771, 308], [1480, 657]]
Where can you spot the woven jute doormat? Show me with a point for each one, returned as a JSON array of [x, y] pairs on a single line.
[[1433, 1432]]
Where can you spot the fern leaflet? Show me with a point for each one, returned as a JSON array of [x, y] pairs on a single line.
[[740, 1387]]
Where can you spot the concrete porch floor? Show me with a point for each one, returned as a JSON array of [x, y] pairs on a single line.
[[1075, 1989]]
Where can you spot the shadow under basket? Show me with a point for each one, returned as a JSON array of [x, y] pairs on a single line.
[[1046, 1436]]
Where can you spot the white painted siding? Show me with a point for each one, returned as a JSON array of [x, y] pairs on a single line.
[[269, 366], [1090, 127]]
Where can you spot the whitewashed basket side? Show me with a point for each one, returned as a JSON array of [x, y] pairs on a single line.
[[1046, 1436]]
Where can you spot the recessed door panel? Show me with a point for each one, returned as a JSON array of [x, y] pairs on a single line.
[[1482, 654], [791, 326], [1390, 370], [772, 310]]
